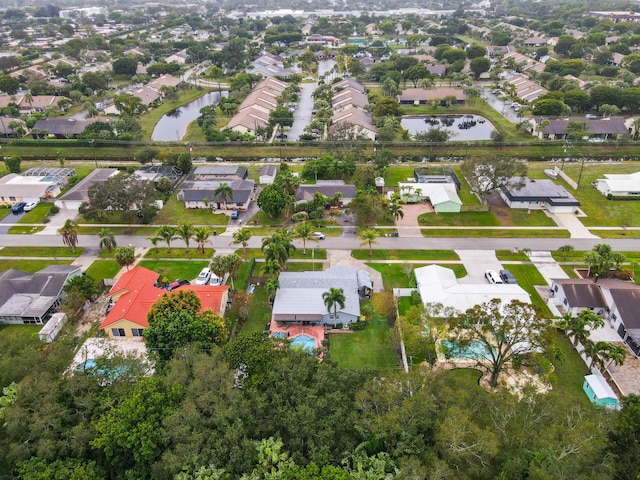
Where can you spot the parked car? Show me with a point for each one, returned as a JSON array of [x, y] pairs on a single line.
[[215, 280], [235, 214], [178, 283], [18, 208], [317, 235], [30, 206], [492, 276], [204, 277], [507, 276], [591, 116]]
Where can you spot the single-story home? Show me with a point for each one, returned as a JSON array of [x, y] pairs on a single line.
[[438, 284], [267, 174], [538, 195], [31, 298], [617, 303], [597, 129], [422, 96], [153, 173], [218, 172], [80, 192], [201, 194], [619, 185], [61, 127], [355, 116], [33, 185], [135, 293], [328, 188], [299, 298], [442, 196]]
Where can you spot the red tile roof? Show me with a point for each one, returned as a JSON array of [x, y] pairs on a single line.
[[138, 295]]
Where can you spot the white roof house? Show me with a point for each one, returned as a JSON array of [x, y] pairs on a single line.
[[443, 196], [437, 284], [619, 185]]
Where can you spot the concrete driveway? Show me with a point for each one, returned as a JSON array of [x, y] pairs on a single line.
[[343, 258], [408, 225], [477, 262], [7, 222]]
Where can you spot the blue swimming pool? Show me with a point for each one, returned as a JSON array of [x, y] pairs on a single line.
[[474, 350], [304, 342]]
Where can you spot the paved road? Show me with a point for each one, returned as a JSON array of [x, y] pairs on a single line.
[[499, 106], [302, 115], [350, 243]]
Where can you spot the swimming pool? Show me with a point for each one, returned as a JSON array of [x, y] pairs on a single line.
[[473, 349], [304, 342]]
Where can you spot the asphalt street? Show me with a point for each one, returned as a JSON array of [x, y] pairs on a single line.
[[350, 243]]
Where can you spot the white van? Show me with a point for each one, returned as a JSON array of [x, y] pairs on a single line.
[[204, 276], [492, 276]]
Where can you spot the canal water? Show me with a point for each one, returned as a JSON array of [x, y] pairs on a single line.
[[173, 125], [463, 127]]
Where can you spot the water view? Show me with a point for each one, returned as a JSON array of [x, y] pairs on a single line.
[[173, 125], [463, 127]]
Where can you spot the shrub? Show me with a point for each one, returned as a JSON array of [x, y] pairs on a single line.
[[357, 326], [53, 210], [415, 298], [339, 326]]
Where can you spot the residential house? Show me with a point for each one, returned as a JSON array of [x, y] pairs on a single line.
[[164, 81], [201, 194], [423, 96], [328, 188], [535, 42], [348, 103], [63, 128], [7, 131], [270, 66], [538, 195], [267, 174], [438, 284], [597, 129], [147, 95], [38, 103], [218, 172], [253, 113], [80, 192], [617, 303], [619, 185], [442, 196], [357, 117], [33, 185], [524, 88], [179, 57], [135, 293], [31, 298], [153, 173]]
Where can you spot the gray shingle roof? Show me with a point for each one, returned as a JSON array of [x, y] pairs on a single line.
[[538, 190]]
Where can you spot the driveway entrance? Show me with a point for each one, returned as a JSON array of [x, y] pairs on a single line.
[[409, 226]]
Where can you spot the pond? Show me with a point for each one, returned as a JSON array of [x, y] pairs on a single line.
[[173, 125], [463, 127]]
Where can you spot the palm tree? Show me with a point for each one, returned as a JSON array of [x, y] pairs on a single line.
[[578, 327], [304, 233], [233, 262], [154, 241], [395, 209], [369, 237], [271, 286], [242, 236], [185, 231], [333, 298], [224, 192], [278, 247], [271, 267], [167, 233], [604, 354], [107, 239], [69, 234], [201, 236]]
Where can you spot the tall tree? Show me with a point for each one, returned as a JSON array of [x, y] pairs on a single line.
[[223, 193], [168, 234], [69, 234], [271, 286], [185, 231], [503, 331], [486, 175], [125, 256], [368, 237], [303, 232], [107, 239], [242, 236], [154, 241], [201, 236], [333, 298]]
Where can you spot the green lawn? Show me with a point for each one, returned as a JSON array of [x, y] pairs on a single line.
[[616, 233], [30, 266], [173, 213], [101, 269], [25, 229], [320, 253], [259, 313], [186, 269], [400, 275], [192, 253], [578, 256], [494, 233], [304, 266], [11, 333], [145, 230], [568, 377], [37, 214], [363, 254], [470, 219], [242, 276], [367, 348], [528, 276], [510, 256], [40, 252]]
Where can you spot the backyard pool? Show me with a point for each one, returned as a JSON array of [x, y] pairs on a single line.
[[462, 127], [304, 342], [473, 350]]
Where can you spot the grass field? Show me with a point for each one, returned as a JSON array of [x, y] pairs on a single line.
[[616, 233], [30, 266], [59, 252], [37, 214], [192, 253], [259, 312], [186, 269], [363, 254], [129, 230], [528, 276], [367, 348], [25, 229], [494, 233], [101, 269], [173, 213], [319, 254], [508, 255], [568, 376]]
